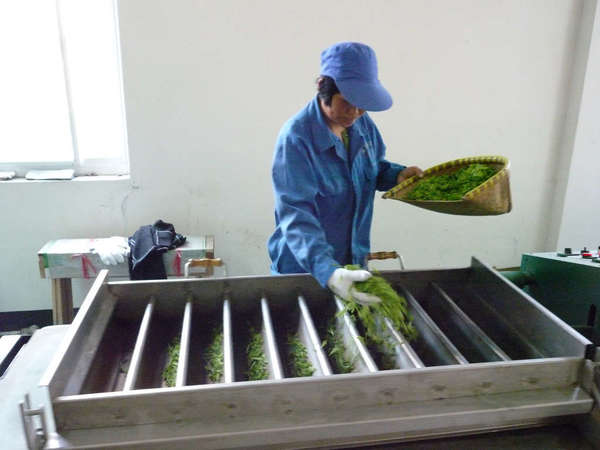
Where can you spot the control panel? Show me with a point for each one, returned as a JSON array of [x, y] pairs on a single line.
[[585, 253]]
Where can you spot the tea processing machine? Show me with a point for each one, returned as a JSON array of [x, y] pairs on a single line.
[[567, 283], [488, 357]]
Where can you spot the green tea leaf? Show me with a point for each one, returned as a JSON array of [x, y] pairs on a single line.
[[170, 372], [392, 306], [214, 356], [298, 362], [334, 346], [451, 186], [257, 362]]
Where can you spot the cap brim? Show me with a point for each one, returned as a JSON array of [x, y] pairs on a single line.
[[367, 96]]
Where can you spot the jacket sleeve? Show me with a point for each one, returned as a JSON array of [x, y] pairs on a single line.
[[295, 187], [388, 174]]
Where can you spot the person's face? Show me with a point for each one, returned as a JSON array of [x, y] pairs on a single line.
[[341, 113]]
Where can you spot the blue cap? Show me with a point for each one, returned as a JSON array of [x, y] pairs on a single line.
[[353, 67]]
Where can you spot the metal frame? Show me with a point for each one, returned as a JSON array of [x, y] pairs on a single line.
[[449, 396]]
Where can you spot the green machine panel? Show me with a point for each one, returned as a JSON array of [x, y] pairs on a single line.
[[569, 286]]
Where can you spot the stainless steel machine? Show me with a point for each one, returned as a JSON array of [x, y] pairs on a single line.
[[487, 357]]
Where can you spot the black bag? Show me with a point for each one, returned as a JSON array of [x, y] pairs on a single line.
[[146, 248]]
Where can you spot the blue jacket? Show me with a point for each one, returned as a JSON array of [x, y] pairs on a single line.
[[324, 193]]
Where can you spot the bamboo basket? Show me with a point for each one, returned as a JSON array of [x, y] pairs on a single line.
[[492, 197]]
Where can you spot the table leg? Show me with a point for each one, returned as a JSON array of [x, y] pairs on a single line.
[[62, 301], [42, 265]]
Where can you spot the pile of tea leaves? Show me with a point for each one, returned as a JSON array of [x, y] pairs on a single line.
[[298, 363], [336, 350], [257, 361], [451, 186], [170, 372], [214, 356], [392, 306]]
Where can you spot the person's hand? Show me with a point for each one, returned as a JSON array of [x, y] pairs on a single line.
[[342, 281], [111, 251], [411, 171]]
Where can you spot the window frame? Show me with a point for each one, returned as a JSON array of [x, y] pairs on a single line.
[[118, 165]]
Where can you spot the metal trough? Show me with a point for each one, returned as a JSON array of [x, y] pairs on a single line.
[[487, 357]]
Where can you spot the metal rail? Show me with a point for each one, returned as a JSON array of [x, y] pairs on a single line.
[[437, 343], [272, 354], [352, 341], [138, 350], [184, 346], [228, 373], [406, 357], [311, 340], [463, 324], [497, 327]]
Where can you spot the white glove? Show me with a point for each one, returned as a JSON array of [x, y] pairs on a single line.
[[342, 281], [111, 251]]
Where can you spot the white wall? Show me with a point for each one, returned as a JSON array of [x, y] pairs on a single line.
[[209, 83], [577, 144], [580, 225]]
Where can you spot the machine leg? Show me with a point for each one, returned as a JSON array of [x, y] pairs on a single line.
[[62, 301]]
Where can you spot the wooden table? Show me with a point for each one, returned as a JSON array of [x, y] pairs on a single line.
[[64, 259]]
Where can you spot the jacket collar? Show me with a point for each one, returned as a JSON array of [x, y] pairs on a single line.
[[322, 134]]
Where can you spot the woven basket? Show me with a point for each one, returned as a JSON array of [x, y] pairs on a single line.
[[492, 197]]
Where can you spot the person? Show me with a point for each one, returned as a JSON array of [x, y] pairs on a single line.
[[329, 160]]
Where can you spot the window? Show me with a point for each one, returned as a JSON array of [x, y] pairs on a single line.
[[61, 89]]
